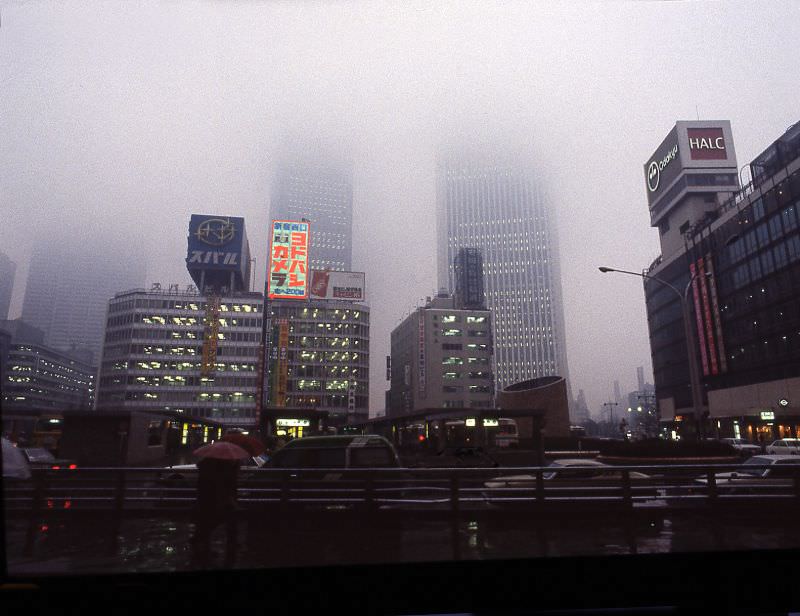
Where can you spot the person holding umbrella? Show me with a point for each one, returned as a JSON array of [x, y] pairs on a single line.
[[217, 497]]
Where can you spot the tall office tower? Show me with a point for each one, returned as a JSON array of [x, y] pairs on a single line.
[[323, 195], [497, 206], [468, 271], [7, 270], [68, 291]]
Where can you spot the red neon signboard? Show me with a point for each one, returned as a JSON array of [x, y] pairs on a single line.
[[288, 262]]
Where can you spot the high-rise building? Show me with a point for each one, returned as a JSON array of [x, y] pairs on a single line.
[[322, 195], [736, 252], [581, 415], [68, 290], [154, 356], [468, 274], [441, 358], [7, 270], [321, 358], [499, 207]]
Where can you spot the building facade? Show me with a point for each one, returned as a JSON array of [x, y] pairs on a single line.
[[153, 355], [441, 357], [320, 358], [498, 207], [8, 269], [322, 195], [68, 290], [39, 378], [741, 250]]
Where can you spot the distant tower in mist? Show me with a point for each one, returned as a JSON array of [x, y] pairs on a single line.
[[498, 206], [322, 194], [640, 378], [68, 289], [617, 393], [7, 271]]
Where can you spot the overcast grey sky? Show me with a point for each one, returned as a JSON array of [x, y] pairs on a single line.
[[120, 119]]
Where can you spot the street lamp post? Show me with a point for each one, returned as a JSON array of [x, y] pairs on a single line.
[[694, 369]]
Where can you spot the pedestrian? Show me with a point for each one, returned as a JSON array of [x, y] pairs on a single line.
[[217, 491]]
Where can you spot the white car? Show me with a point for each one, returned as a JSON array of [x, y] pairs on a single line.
[[753, 472], [174, 473], [579, 474], [743, 446], [785, 446]]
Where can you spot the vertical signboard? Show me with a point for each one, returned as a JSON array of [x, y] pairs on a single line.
[[712, 347], [712, 283], [701, 334], [288, 263], [279, 362]]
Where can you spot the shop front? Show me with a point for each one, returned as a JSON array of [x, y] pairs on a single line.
[[291, 423]]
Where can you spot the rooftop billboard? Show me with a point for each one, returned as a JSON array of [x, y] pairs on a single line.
[[217, 247], [698, 145], [346, 286], [288, 262]]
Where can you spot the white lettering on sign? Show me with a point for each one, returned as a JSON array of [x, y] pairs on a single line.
[[656, 167], [293, 423], [707, 143], [211, 257]]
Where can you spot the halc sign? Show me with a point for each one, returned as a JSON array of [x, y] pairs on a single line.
[[706, 144]]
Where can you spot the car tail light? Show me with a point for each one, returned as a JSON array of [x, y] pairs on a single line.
[[56, 468], [73, 466], [44, 528], [67, 504], [49, 504], [421, 437]]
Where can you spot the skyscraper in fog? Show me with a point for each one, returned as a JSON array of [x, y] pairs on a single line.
[[498, 206], [322, 194], [7, 270], [68, 291]]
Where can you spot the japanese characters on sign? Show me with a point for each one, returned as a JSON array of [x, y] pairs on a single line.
[[288, 264]]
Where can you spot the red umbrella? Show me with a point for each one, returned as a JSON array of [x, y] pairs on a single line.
[[249, 443], [221, 451]]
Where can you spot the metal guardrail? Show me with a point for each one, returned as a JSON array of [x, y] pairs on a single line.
[[126, 490]]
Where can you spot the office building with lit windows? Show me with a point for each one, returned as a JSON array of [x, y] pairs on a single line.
[[441, 357], [153, 354], [739, 247], [323, 195], [40, 378], [498, 206], [321, 358]]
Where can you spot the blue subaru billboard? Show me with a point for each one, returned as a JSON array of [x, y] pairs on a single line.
[[218, 245]]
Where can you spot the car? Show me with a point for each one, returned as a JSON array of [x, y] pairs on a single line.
[[784, 446], [566, 476], [315, 484], [41, 458], [178, 472], [751, 475], [342, 452], [15, 464], [743, 446]]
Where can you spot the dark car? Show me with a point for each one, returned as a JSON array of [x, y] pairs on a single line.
[[41, 458], [330, 473]]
